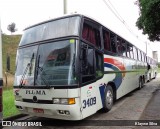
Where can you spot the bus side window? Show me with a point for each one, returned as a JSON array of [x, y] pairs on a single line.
[[139, 55], [99, 65], [128, 51], [135, 53], [113, 42], [91, 34], [142, 56], [119, 46], [106, 40], [124, 48], [131, 52], [98, 39], [145, 58], [87, 67]]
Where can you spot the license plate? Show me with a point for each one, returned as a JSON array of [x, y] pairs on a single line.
[[37, 110]]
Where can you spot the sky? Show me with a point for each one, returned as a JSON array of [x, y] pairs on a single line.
[[28, 12]]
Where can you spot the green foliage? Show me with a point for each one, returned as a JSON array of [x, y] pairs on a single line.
[[9, 45], [149, 20]]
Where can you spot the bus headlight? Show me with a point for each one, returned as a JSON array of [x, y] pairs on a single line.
[[56, 101], [64, 101], [18, 98]]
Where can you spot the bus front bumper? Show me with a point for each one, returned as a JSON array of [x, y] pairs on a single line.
[[57, 111]]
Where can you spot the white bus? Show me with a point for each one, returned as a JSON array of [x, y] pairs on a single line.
[[71, 67], [152, 67]]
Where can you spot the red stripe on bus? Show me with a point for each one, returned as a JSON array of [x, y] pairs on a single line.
[[115, 62]]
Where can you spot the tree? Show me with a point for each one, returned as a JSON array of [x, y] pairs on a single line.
[[149, 20], [12, 27]]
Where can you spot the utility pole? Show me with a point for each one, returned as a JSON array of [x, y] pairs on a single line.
[[65, 6]]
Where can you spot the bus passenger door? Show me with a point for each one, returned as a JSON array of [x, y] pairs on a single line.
[[88, 85]]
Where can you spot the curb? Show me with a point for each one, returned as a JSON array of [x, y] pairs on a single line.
[[11, 118]]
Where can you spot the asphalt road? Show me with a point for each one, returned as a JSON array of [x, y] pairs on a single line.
[[138, 105]]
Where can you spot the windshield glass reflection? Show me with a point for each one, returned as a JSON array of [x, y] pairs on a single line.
[[25, 68], [56, 63]]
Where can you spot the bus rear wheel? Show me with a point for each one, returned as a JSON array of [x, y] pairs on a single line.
[[108, 98], [155, 76]]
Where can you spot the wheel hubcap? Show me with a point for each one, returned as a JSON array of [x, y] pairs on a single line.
[[140, 84], [109, 97]]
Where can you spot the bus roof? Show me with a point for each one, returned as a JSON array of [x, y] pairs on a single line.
[[57, 18], [81, 15]]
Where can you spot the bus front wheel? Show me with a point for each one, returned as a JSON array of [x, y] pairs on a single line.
[[108, 98]]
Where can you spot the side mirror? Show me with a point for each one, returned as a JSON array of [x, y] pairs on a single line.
[[8, 63]]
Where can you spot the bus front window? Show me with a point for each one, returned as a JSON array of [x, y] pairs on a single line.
[[55, 63], [25, 66]]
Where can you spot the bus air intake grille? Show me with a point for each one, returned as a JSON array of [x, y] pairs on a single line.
[[39, 101]]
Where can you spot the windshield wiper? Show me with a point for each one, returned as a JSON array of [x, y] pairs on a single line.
[[41, 69], [73, 64], [25, 71]]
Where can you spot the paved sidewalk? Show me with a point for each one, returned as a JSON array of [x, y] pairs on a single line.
[[152, 111]]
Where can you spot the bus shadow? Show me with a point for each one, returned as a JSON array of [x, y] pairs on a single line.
[[63, 123]]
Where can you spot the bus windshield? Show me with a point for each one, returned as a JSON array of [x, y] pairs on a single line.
[[53, 64], [56, 63], [24, 66]]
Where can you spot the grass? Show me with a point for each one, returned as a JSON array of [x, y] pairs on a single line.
[[9, 46], [9, 108]]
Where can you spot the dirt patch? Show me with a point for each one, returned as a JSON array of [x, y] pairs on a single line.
[[8, 80]]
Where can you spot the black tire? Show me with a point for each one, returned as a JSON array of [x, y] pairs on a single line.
[[108, 98], [140, 83]]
